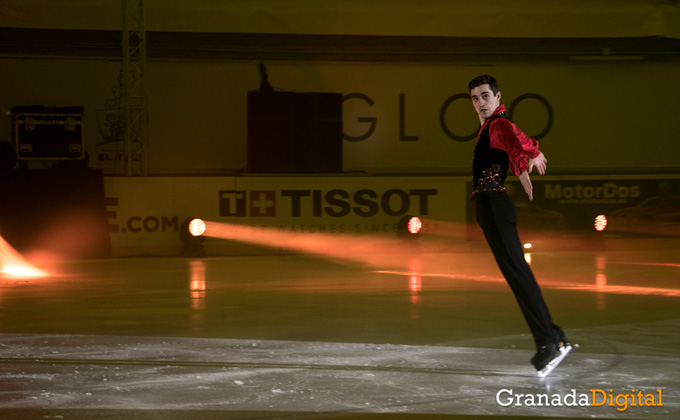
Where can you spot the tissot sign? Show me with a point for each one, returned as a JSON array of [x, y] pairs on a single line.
[[146, 213], [303, 203]]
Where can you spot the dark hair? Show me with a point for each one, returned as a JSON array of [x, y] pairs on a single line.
[[484, 79]]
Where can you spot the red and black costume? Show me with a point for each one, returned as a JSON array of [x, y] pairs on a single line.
[[501, 146]]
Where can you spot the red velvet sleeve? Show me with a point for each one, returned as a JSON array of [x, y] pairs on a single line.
[[506, 136]]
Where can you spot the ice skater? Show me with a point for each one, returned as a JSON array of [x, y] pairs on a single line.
[[502, 146]]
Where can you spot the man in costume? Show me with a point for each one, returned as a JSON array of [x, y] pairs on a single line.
[[501, 146]]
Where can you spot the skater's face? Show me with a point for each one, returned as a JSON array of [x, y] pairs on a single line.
[[484, 101]]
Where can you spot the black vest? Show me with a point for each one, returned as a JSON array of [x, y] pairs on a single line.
[[489, 165]]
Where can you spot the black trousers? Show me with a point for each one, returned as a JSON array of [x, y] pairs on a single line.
[[497, 215]]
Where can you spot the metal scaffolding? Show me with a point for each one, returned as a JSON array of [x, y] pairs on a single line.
[[133, 93]]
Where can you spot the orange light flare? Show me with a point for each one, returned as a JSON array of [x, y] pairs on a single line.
[[373, 251], [414, 225], [14, 266], [600, 223]]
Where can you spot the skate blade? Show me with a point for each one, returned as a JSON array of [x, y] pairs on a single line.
[[564, 351]]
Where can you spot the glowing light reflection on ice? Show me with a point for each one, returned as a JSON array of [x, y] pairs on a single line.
[[13, 265]]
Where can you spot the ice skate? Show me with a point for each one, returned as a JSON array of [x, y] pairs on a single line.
[[552, 355]]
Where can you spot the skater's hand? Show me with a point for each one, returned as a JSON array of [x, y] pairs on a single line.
[[539, 162], [526, 183]]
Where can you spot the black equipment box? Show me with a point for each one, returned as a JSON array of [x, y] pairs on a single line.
[[41, 132]]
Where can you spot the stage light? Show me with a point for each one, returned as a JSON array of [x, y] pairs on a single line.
[[191, 236], [414, 225], [600, 223], [196, 227], [527, 246], [409, 227]]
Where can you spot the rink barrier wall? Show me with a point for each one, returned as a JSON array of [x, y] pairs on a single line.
[[145, 213]]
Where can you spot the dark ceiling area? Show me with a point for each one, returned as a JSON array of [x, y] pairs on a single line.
[[90, 44]]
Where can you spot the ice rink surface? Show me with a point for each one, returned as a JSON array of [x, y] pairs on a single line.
[[433, 335]]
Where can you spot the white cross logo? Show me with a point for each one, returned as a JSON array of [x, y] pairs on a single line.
[[261, 204]]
